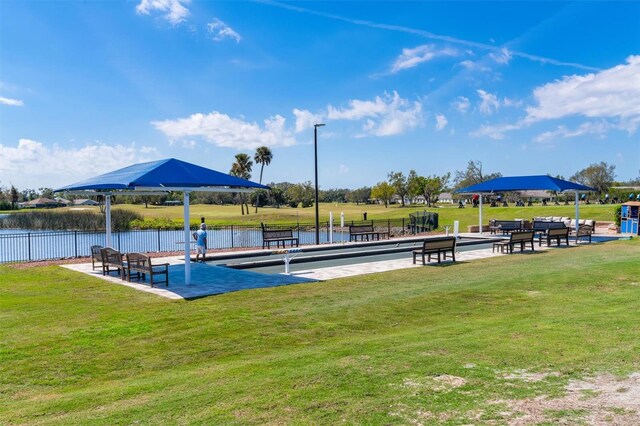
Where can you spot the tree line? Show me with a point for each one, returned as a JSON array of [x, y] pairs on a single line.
[[398, 185]]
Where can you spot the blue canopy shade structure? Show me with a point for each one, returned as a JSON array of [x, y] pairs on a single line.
[[158, 177], [525, 183], [168, 175]]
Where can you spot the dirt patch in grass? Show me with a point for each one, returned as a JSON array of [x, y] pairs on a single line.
[[603, 399], [443, 382], [529, 376]]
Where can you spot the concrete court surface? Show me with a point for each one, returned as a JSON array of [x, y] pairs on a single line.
[[207, 280]]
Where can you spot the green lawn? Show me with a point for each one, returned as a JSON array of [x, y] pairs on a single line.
[[428, 345], [230, 215]]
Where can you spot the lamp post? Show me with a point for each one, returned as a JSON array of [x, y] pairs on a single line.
[[315, 156]]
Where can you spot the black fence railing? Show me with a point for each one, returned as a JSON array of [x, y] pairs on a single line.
[[45, 245]]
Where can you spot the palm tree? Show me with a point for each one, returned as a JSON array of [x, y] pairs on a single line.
[[242, 169], [263, 156]]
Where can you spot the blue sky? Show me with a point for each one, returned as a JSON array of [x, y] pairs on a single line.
[[523, 87]]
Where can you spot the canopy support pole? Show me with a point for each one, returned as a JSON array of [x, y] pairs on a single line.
[[480, 215], [187, 241], [577, 215], [107, 219]]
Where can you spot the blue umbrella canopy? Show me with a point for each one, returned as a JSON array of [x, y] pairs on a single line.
[[162, 175], [524, 183], [168, 173]]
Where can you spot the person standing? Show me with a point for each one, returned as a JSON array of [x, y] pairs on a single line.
[[201, 241]]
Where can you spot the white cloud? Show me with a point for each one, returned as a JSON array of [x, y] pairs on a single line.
[[496, 131], [474, 66], [343, 169], [31, 164], [502, 57], [11, 102], [589, 128], [410, 58], [489, 103], [175, 10], [441, 121], [221, 31], [386, 116], [305, 119], [222, 130], [612, 93], [462, 104]]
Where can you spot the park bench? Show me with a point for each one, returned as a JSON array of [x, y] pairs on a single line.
[[363, 231], [516, 237], [112, 260], [584, 232], [96, 256], [277, 236], [554, 233], [437, 246], [504, 226], [140, 265]]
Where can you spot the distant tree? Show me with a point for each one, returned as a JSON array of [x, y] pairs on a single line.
[[399, 182], [14, 196], [336, 195], [277, 197], [45, 192], [27, 195], [301, 194], [383, 191], [434, 186], [360, 195], [242, 169], [414, 187], [263, 156], [598, 176], [472, 175]]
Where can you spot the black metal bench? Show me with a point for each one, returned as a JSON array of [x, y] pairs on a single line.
[[140, 265], [516, 237], [504, 226], [365, 231], [436, 246], [277, 236]]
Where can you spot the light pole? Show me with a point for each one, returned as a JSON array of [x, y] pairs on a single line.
[[315, 156]]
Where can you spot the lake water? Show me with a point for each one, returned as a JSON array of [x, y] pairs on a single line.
[[22, 245]]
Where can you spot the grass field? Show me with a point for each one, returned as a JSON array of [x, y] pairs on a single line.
[[230, 215], [455, 344]]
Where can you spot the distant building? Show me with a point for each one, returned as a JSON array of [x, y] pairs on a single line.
[[63, 201], [85, 202], [40, 203], [172, 203], [446, 198]]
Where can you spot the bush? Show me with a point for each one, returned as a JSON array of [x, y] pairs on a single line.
[[618, 215], [156, 223], [69, 220]]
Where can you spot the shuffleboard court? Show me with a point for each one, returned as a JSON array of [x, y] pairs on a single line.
[[272, 262]]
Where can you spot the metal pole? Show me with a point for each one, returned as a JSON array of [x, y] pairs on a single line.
[[315, 158], [187, 241], [480, 230], [107, 208], [577, 216]]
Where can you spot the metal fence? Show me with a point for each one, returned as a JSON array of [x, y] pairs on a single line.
[[45, 245]]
